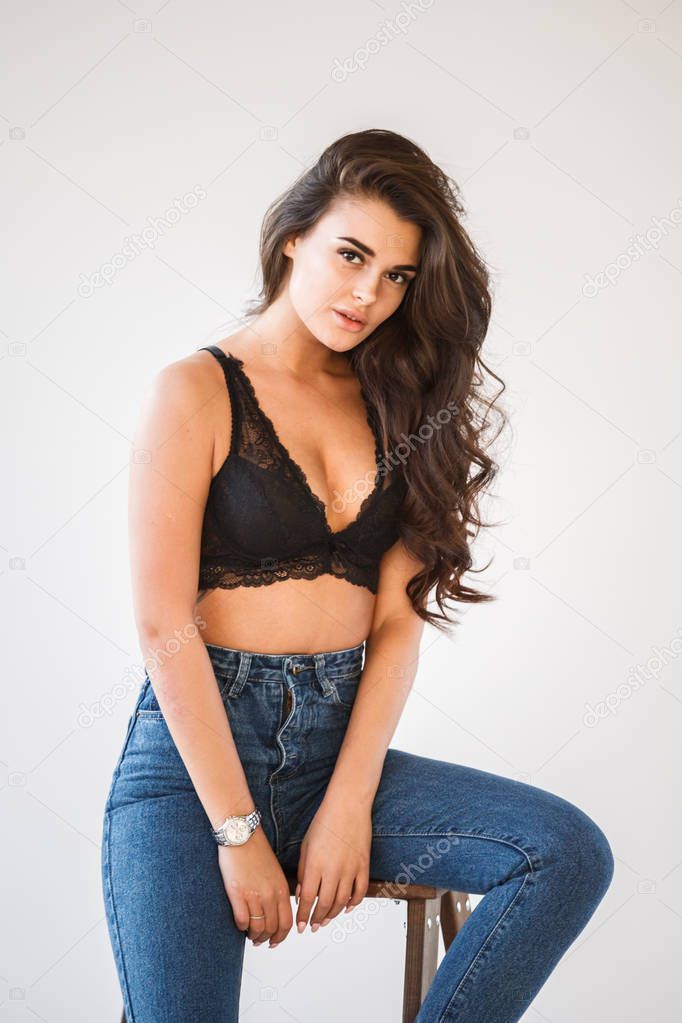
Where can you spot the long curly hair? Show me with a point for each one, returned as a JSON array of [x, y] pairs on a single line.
[[421, 369]]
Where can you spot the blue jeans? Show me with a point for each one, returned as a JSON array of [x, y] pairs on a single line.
[[542, 863]]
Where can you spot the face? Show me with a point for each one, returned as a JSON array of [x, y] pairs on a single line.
[[359, 258]]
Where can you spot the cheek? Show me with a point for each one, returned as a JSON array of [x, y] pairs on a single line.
[[391, 299], [314, 286]]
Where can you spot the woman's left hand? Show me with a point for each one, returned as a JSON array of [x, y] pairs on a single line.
[[334, 861]]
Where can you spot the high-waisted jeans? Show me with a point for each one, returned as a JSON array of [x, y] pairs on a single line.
[[542, 864]]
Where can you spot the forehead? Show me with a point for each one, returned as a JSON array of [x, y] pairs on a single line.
[[374, 223]]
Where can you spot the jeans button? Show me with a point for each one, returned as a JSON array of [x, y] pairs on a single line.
[[297, 669]]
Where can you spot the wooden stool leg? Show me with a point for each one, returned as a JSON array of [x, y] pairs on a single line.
[[421, 955], [455, 910]]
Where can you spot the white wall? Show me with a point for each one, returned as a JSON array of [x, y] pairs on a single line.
[[561, 123]]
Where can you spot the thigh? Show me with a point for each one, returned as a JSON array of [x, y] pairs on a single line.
[[466, 829], [178, 952]]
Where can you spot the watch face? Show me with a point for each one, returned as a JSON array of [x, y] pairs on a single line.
[[237, 831]]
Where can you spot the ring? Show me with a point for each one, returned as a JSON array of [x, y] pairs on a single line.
[[256, 916]]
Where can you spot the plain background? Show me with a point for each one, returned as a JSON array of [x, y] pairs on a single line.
[[560, 122]]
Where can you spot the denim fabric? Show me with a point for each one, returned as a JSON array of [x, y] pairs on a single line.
[[542, 864]]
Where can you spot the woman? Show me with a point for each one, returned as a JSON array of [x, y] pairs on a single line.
[[310, 482]]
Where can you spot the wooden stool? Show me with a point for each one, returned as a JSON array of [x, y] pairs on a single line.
[[430, 911]]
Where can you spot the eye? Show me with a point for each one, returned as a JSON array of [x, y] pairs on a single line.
[[391, 273], [397, 273], [350, 252]]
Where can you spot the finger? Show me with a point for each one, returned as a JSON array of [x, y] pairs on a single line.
[[257, 919], [325, 901], [240, 912], [300, 875], [309, 889], [360, 886], [343, 895], [285, 920], [271, 922]]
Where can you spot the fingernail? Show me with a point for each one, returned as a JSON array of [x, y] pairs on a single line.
[[275, 944], [314, 927], [300, 926], [326, 921]]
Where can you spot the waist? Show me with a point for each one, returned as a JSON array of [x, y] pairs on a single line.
[[324, 614], [329, 663]]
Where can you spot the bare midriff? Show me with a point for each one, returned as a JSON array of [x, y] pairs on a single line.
[[292, 616]]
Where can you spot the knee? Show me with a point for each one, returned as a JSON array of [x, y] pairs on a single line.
[[581, 850], [596, 855]]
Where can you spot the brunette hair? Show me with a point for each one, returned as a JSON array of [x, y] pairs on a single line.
[[422, 365]]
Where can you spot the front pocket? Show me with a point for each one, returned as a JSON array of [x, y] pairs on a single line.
[[345, 690]]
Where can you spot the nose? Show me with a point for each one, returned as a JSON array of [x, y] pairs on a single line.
[[365, 290]]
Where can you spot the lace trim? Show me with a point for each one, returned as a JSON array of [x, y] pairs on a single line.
[[296, 468], [220, 577]]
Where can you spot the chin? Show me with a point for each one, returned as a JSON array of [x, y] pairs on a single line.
[[334, 344]]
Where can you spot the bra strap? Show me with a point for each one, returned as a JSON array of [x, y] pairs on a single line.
[[214, 350], [226, 363]]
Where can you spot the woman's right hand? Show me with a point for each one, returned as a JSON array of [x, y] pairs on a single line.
[[255, 883]]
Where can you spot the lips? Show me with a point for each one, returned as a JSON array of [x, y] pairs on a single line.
[[353, 317]]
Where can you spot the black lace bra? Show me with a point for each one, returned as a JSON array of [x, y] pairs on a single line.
[[263, 523]]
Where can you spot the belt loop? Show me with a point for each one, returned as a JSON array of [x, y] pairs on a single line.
[[326, 684], [242, 672]]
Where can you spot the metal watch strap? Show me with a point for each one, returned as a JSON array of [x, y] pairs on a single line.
[[252, 819]]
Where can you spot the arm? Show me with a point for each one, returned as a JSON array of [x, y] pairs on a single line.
[[391, 657], [170, 473], [168, 486], [334, 864]]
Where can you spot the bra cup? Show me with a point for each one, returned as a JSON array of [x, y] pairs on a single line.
[[262, 522], [258, 512]]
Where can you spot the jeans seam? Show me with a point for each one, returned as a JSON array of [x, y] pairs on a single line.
[[129, 1013], [119, 763], [273, 813], [493, 838], [443, 1016], [458, 834]]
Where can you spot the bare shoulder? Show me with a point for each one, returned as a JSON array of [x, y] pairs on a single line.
[[190, 377], [192, 387]]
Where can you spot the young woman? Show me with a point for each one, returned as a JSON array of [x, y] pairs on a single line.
[[311, 481]]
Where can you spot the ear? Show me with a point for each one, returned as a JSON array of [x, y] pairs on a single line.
[[289, 246]]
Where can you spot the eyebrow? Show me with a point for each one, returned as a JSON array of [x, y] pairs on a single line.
[[370, 252]]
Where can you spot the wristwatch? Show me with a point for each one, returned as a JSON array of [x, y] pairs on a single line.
[[237, 830]]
